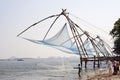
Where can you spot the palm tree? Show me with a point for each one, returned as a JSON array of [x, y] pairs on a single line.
[[115, 33]]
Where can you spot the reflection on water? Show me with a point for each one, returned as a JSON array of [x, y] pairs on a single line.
[[42, 69]]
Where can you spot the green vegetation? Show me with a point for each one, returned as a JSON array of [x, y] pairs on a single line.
[[115, 33]]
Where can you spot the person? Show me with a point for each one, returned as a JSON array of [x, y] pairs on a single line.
[[110, 67], [79, 70], [115, 67]]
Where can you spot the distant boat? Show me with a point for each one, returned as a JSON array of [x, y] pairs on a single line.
[[20, 60]]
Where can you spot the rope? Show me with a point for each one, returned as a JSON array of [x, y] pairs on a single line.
[[89, 23]]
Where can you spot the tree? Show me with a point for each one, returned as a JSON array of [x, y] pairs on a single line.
[[115, 33]]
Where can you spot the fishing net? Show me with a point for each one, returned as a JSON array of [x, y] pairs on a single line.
[[62, 41], [80, 43]]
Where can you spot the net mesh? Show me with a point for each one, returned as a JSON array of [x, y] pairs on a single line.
[[62, 41]]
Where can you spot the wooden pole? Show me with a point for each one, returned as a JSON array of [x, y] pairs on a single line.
[[81, 60], [72, 27], [36, 24], [51, 26], [94, 63], [85, 63], [98, 63]]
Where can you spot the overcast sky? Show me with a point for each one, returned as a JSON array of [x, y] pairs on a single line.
[[16, 15]]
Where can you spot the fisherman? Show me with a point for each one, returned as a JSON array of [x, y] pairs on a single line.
[[115, 67], [79, 70]]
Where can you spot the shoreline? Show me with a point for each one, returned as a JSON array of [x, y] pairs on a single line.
[[103, 74]]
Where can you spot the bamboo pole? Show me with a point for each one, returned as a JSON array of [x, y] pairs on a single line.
[[73, 33], [51, 26], [36, 24]]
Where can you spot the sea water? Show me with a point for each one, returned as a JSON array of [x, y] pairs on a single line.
[[42, 69]]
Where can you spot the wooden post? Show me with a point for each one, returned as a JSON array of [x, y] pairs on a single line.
[[94, 63], [81, 61], [98, 63], [85, 63]]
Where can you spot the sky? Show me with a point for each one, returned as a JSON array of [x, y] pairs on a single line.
[[17, 15]]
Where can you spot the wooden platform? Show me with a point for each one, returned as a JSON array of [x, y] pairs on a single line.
[[96, 60]]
